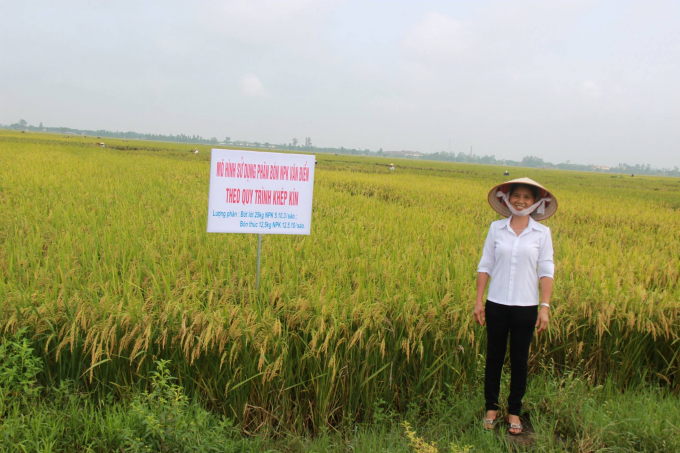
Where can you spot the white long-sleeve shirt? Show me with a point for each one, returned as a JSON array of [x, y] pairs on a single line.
[[515, 263]]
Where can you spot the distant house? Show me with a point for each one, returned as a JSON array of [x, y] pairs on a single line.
[[408, 154]]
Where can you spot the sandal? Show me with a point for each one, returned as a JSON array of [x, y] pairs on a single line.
[[490, 423], [515, 426]]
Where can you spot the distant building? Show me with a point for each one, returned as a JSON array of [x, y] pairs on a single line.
[[408, 154]]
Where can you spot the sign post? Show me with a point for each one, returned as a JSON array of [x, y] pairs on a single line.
[[259, 249], [260, 192]]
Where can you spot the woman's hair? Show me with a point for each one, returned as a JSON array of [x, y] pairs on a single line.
[[535, 191]]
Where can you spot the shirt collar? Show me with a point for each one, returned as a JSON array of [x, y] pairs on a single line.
[[533, 225]]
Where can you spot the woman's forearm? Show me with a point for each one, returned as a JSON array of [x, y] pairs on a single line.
[[546, 289], [482, 280]]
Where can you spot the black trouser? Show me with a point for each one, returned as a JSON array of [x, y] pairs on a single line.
[[520, 323]]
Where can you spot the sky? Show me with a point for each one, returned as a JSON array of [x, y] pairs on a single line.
[[592, 82]]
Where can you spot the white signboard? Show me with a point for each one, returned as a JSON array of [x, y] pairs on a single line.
[[254, 192]]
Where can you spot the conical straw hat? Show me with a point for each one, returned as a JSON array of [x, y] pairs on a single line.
[[498, 204]]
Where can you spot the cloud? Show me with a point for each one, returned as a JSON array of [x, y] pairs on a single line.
[[251, 86], [435, 36], [266, 11], [278, 23], [592, 89], [508, 77]]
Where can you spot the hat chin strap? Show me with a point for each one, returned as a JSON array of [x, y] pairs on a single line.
[[539, 206]]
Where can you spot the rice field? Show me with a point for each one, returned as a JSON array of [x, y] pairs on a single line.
[[105, 261]]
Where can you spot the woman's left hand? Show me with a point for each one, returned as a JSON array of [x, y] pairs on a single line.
[[542, 321]]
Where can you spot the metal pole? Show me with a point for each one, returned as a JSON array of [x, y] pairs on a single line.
[[259, 248]]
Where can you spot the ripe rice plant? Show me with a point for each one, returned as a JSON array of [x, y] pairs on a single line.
[[104, 259]]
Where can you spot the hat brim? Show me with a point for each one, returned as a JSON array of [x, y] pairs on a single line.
[[499, 206]]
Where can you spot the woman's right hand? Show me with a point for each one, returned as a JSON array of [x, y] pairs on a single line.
[[480, 314]]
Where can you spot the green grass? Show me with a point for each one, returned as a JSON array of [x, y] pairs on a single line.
[[105, 261], [564, 413]]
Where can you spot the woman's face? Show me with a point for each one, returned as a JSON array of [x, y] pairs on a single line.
[[522, 198]]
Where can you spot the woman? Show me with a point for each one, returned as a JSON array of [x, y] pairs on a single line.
[[518, 253]]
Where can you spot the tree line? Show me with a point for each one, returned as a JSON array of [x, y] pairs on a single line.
[[295, 145], [182, 138], [537, 162]]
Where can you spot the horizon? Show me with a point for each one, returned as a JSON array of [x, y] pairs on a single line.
[[500, 161]]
